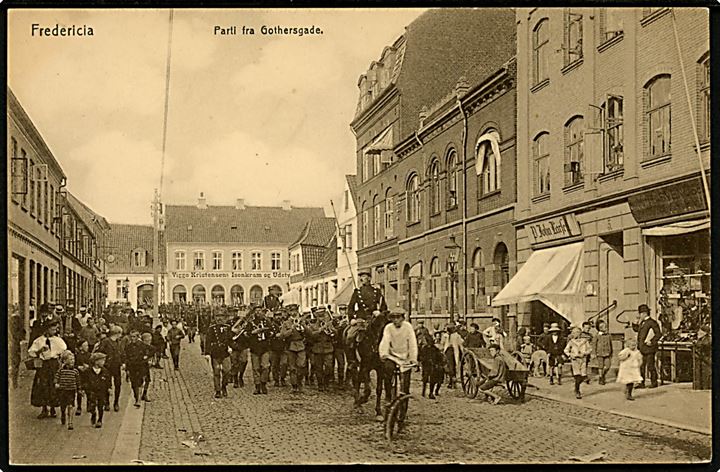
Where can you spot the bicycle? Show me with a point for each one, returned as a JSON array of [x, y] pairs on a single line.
[[395, 418]]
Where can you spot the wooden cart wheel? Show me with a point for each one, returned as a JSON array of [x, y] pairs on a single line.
[[516, 389], [468, 374]]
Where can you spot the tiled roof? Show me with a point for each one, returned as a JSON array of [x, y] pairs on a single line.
[[311, 256], [88, 216], [317, 232], [352, 185], [185, 223], [328, 263], [123, 240]]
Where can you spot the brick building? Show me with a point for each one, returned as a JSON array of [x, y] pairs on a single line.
[[438, 105], [610, 202]]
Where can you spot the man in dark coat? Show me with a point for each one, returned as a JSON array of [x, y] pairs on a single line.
[[272, 300], [110, 346], [260, 331], [137, 359], [322, 333], [217, 344], [648, 336], [366, 299]]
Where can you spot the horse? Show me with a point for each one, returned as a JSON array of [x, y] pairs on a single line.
[[362, 356]]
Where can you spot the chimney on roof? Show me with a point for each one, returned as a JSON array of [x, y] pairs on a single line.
[[423, 115], [240, 204], [462, 87], [286, 205], [202, 202]]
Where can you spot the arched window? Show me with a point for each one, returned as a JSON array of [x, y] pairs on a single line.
[[479, 282], [541, 169], [256, 295], [377, 220], [435, 281], [452, 179], [574, 137], [198, 294], [365, 225], [434, 187], [657, 116], [218, 295], [179, 293], [501, 259], [413, 199], [389, 213], [237, 295], [488, 161], [541, 51]]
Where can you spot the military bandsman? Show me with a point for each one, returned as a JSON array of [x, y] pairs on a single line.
[[322, 332], [260, 331], [293, 332], [217, 344]]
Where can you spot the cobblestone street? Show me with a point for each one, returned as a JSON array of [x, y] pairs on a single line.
[[283, 428]]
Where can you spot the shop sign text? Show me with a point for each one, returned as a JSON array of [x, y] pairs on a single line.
[[559, 227]]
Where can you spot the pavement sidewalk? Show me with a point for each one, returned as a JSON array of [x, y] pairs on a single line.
[[46, 441], [676, 405]]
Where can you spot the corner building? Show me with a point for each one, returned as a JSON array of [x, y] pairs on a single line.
[[610, 198], [435, 129]]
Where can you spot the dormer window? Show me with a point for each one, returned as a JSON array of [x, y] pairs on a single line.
[[139, 257]]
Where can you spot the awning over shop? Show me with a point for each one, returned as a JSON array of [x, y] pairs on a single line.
[[553, 276], [384, 142], [346, 291], [675, 229], [291, 297]]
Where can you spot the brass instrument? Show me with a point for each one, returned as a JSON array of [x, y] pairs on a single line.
[[261, 336], [298, 324], [326, 326]]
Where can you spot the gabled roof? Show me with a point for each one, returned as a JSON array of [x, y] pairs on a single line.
[[317, 232], [123, 240], [328, 262], [88, 216], [227, 224], [352, 185]]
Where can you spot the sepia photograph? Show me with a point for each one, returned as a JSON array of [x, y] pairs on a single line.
[[385, 236]]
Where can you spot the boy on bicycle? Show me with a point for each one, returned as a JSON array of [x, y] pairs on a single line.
[[398, 347]]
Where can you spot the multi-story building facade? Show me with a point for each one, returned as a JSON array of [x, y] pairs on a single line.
[[129, 261], [347, 240], [313, 263], [83, 238], [436, 164], [34, 181], [230, 254], [611, 205]]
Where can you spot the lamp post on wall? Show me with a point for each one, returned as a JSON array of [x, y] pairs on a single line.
[[453, 257]]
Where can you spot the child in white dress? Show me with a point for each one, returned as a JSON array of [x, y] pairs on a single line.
[[629, 371]]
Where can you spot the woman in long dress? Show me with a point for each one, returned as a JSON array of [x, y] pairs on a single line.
[[47, 348]]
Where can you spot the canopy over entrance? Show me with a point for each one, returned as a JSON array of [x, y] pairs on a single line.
[[676, 229], [553, 276]]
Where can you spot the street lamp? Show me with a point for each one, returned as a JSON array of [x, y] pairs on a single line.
[[126, 289], [454, 249]]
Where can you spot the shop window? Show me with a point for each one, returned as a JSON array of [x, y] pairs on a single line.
[[614, 138], [541, 158], [452, 178], [198, 294], [179, 294], [657, 116], [573, 43], [541, 52], [704, 99], [237, 295], [218, 295], [574, 131]]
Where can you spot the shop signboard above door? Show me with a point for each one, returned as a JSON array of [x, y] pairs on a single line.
[[553, 229], [670, 200]]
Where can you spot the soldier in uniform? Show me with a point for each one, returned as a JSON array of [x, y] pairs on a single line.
[[240, 351], [272, 300], [260, 332], [339, 323], [203, 324], [190, 322], [278, 355], [322, 333], [293, 332], [217, 344], [366, 299]]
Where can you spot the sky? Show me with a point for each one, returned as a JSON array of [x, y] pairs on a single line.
[[259, 117]]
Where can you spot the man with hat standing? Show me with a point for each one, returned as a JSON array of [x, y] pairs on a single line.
[[293, 332], [555, 350], [322, 333], [366, 299], [260, 331], [648, 336], [278, 356], [217, 344], [272, 300], [398, 347]]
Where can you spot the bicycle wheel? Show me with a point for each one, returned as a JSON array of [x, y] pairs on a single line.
[[396, 417]]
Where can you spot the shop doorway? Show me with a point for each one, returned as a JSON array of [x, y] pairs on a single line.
[[612, 280], [145, 296], [541, 314]]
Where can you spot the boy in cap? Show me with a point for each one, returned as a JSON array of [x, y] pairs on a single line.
[[555, 351], [496, 376], [137, 357], [97, 388]]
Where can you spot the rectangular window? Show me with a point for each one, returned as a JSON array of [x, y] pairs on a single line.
[[179, 260], [377, 221], [237, 260], [53, 210], [614, 152], [46, 203], [275, 261], [365, 167], [377, 166], [389, 216], [573, 36], [704, 99], [198, 260], [256, 261], [365, 229], [217, 260], [658, 117], [348, 237], [118, 289], [574, 151], [18, 173], [33, 196], [610, 23], [541, 156]]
